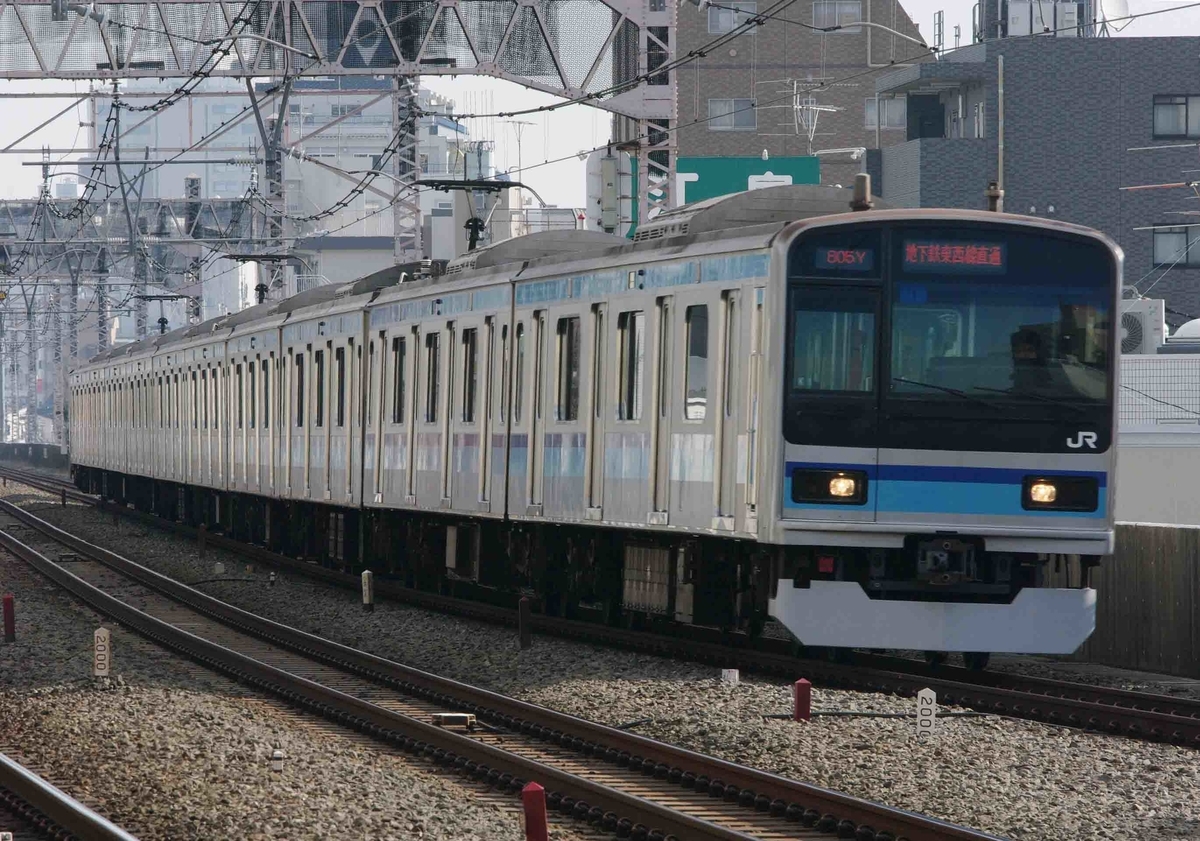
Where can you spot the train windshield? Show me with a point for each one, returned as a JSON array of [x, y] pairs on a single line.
[[921, 335], [1004, 318]]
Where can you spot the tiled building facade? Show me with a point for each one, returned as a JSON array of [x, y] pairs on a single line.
[[741, 97], [1078, 114]]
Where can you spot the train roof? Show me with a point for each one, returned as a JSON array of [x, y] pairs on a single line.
[[771, 208], [534, 246], [770, 205]]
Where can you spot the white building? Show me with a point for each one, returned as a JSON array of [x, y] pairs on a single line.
[[335, 130]]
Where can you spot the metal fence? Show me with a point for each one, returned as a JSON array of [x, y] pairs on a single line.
[[1148, 608]]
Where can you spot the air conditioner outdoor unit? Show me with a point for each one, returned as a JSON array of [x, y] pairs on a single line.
[[1143, 325]]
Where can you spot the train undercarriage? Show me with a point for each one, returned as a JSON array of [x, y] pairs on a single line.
[[652, 581]]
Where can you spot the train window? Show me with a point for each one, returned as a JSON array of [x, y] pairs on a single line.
[[241, 396], [370, 374], [695, 395], [568, 369], [433, 360], [539, 365], [253, 393], [339, 357], [195, 402], [266, 380], [399, 360], [204, 398], [300, 389], [730, 339], [631, 330], [833, 340], [519, 375], [319, 388], [470, 373], [597, 357]]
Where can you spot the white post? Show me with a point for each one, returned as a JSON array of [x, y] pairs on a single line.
[[926, 712], [368, 590], [102, 660]]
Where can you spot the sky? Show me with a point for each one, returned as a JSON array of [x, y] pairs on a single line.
[[563, 132]]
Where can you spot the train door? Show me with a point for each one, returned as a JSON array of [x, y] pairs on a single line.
[[753, 402], [534, 480], [831, 408], [660, 416], [729, 377], [468, 358], [593, 479]]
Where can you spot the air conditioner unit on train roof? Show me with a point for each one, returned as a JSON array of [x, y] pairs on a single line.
[[1143, 325]]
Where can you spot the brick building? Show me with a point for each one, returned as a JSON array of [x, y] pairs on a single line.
[[750, 86], [1077, 111]]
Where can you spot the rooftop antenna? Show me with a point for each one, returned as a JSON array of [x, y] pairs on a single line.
[[957, 35], [939, 32]]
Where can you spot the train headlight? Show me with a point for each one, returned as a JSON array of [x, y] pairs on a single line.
[[829, 487], [842, 486], [1061, 493], [1043, 492]]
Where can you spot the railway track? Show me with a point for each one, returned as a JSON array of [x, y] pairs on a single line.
[[1115, 711], [32, 808], [614, 780]]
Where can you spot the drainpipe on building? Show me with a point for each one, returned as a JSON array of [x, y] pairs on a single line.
[[999, 187]]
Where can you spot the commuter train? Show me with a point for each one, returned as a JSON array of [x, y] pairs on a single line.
[[884, 428]]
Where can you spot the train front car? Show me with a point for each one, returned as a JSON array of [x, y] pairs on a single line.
[[947, 422]]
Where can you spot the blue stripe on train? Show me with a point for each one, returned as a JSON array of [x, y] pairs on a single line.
[[925, 489]]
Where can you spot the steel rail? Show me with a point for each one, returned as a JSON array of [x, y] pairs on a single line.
[[1116, 711], [813, 806], [562, 728], [510, 770], [50, 810]]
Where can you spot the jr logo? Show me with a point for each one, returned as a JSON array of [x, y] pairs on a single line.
[[1082, 439]]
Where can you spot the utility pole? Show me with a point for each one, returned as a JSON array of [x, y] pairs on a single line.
[[60, 370], [102, 300], [140, 272], [4, 357]]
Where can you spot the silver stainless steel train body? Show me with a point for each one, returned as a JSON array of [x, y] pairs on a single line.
[[886, 429]]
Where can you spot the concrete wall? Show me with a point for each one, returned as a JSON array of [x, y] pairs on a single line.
[[1158, 478], [758, 66]]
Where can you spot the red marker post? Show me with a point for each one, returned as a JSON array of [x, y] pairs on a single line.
[[801, 700], [533, 797], [10, 619]]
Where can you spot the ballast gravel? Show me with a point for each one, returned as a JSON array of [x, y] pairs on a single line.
[[173, 752], [1013, 778]]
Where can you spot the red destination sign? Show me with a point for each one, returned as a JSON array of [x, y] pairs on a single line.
[[953, 256]]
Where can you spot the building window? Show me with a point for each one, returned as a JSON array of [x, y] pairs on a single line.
[[631, 329], [730, 15], [568, 369], [895, 112], [732, 115], [695, 398], [433, 359], [828, 13], [1176, 247], [399, 360], [470, 373], [1176, 116]]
